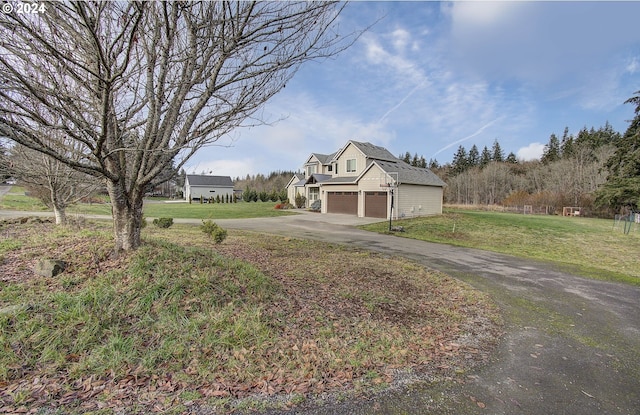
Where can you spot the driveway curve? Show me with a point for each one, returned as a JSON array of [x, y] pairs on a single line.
[[571, 344]]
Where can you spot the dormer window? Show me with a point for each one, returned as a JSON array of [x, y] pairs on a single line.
[[351, 166]]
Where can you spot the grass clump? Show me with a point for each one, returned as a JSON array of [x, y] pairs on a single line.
[[163, 223], [214, 231]]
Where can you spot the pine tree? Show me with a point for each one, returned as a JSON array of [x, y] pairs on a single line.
[[623, 183], [485, 157], [474, 156], [460, 160], [498, 155], [551, 151], [566, 147]]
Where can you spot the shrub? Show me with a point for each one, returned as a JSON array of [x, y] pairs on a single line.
[[213, 230], [316, 205], [163, 222], [300, 200]]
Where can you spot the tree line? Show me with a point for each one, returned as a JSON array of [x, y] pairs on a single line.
[[596, 169]]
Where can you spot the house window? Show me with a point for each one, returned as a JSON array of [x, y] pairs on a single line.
[[311, 170], [329, 167], [351, 165], [313, 194]]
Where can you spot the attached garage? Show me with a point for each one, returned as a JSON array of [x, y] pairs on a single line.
[[375, 204], [342, 202]]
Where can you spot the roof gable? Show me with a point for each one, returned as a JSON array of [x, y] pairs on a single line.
[[296, 180], [202, 180], [370, 151]]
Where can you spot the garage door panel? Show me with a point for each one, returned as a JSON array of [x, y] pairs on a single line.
[[375, 204], [342, 202]]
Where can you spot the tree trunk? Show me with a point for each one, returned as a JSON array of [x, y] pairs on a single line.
[[126, 209], [60, 214]]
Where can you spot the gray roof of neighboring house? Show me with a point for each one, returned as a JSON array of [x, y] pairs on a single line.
[[202, 180], [409, 174]]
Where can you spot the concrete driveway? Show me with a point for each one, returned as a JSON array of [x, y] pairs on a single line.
[[571, 345]]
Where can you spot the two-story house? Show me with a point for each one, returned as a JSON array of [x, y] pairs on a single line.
[[368, 181]]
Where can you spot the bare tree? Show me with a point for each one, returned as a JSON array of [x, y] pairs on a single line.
[[139, 85], [53, 182]]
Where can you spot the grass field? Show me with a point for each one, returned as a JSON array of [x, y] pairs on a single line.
[[154, 208], [593, 247]]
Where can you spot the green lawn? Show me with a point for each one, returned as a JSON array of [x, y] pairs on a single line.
[[154, 208], [17, 200], [593, 247]]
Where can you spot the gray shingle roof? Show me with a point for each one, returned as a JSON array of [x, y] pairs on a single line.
[[408, 174], [201, 180], [373, 151], [324, 158], [317, 178]]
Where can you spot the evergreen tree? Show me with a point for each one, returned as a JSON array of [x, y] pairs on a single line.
[[460, 160], [474, 156], [551, 151], [485, 157], [566, 147], [498, 154], [623, 183], [415, 160], [511, 158], [433, 164]]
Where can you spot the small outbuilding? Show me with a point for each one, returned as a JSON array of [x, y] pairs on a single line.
[[198, 187]]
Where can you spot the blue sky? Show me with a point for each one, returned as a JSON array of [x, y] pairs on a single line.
[[430, 76]]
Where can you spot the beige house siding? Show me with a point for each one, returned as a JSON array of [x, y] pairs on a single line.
[[350, 152], [414, 200], [292, 191]]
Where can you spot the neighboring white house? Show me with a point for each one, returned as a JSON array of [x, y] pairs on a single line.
[[368, 181], [199, 186]]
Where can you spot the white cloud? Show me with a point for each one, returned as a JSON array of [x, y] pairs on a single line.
[[531, 152], [400, 38], [481, 14], [398, 67], [634, 65]]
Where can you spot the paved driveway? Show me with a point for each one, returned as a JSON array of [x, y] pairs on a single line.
[[572, 345]]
